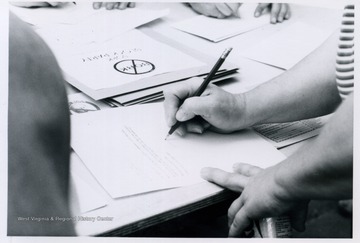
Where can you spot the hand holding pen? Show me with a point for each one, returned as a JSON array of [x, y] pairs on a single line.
[[215, 108]]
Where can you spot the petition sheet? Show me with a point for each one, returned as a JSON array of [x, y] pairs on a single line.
[[125, 150]]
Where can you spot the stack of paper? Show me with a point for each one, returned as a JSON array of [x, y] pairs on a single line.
[[124, 148], [132, 63], [156, 93]]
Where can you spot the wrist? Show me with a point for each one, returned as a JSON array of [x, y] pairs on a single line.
[[287, 183], [240, 107], [254, 113]]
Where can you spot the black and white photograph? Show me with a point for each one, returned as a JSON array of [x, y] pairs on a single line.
[[178, 120]]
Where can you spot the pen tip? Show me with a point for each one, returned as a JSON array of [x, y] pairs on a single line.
[[167, 136]]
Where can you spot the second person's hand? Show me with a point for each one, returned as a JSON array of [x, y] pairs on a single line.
[[278, 13], [261, 197], [216, 10], [113, 5], [219, 110]]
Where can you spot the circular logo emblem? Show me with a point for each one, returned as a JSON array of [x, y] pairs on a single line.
[[82, 107], [134, 66]]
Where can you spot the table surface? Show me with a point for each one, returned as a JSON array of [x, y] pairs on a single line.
[[138, 212]]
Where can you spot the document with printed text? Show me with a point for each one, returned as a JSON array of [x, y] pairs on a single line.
[[124, 148]]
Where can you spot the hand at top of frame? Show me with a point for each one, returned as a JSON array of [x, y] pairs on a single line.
[[278, 13], [113, 5], [216, 10]]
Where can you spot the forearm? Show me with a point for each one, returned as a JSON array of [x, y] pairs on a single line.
[[307, 90], [322, 168]]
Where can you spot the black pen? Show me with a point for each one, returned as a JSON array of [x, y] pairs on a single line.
[[204, 84]]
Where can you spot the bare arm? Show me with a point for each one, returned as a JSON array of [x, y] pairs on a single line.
[[307, 90], [322, 169]]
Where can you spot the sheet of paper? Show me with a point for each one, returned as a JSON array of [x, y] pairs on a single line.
[[125, 59], [217, 30], [66, 13], [125, 150], [284, 134], [287, 47], [101, 26], [86, 192]]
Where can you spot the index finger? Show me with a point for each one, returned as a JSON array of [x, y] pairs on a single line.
[[232, 181], [176, 95]]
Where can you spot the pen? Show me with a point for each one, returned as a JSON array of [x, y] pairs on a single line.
[[204, 84]]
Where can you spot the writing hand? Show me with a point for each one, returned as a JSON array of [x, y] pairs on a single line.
[[216, 10], [279, 11], [261, 197], [219, 110], [113, 5]]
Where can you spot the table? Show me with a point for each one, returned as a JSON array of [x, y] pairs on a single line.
[[128, 215]]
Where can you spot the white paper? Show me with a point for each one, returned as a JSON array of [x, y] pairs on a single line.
[[125, 59], [125, 150], [101, 26], [217, 30], [86, 193], [66, 13], [287, 47]]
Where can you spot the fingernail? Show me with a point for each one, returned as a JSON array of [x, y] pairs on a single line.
[[198, 130], [280, 19], [236, 165], [273, 20], [257, 14]]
